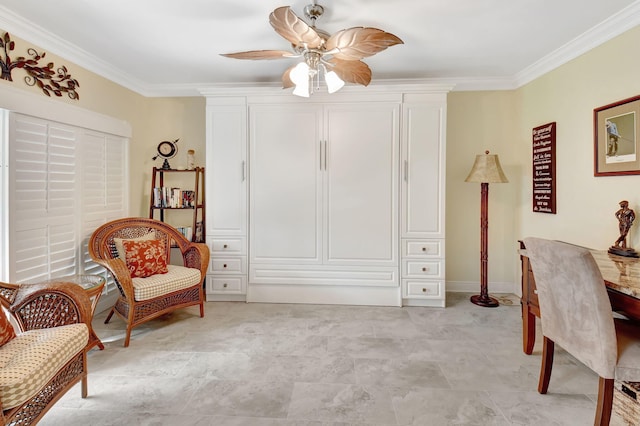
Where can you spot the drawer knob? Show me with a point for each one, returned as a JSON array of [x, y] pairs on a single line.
[[225, 246], [424, 290], [224, 285], [425, 269], [224, 266], [424, 249]]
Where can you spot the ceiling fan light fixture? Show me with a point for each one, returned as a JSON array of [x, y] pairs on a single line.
[[334, 83], [342, 51], [300, 77]]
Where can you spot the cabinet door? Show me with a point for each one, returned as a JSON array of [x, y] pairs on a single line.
[[285, 195], [226, 170], [362, 144], [423, 171]]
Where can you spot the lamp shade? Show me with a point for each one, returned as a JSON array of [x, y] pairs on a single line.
[[487, 169], [300, 77]]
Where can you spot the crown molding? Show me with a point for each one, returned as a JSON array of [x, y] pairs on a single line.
[[27, 30], [376, 86], [613, 26]]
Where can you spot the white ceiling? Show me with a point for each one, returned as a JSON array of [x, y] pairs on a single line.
[[171, 48]]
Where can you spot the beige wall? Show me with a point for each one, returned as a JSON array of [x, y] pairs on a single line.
[[498, 121], [502, 122], [568, 95], [152, 119], [477, 122]]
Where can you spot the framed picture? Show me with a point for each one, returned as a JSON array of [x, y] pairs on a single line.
[[615, 131]]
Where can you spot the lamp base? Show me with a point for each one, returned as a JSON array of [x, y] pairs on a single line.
[[486, 301]]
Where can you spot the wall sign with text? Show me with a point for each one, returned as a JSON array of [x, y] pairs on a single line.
[[544, 168]]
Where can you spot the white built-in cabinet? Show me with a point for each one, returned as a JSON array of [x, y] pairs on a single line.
[[226, 189], [333, 199], [422, 201]]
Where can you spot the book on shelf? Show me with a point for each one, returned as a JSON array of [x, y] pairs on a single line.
[[165, 197], [187, 231]]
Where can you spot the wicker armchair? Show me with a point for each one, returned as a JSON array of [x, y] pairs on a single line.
[[136, 309], [49, 354]]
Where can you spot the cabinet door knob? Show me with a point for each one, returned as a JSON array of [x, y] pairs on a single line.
[[224, 285], [425, 269], [225, 246], [224, 266]]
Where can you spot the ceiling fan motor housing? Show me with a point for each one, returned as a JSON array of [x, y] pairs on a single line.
[[313, 12]]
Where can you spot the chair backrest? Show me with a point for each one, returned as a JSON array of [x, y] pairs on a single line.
[[102, 245], [575, 310]]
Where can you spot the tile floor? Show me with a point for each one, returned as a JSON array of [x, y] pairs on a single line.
[[317, 365]]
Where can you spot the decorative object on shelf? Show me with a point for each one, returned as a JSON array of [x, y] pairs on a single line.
[[191, 160], [616, 138], [486, 169], [167, 150], [336, 56], [46, 78], [625, 217]]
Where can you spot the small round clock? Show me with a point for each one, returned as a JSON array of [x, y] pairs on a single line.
[[166, 150]]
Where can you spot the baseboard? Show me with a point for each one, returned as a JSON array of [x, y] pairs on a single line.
[[474, 287]]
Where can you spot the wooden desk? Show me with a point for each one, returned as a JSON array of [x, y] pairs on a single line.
[[621, 276]]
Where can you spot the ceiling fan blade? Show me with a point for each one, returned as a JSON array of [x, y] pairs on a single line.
[[351, 71], [260, 54], [288, 25], [286, 78], [359, 42]]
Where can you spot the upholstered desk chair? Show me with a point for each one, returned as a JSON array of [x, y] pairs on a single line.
[[575, 313]]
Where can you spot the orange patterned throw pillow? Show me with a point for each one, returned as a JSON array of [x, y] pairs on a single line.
[[6, 329], [145, 258]]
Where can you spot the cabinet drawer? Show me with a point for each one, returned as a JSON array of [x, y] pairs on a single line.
[[234, 246], [228, 265], [423, 268], [426, 289], [226, 285], [422, 248]]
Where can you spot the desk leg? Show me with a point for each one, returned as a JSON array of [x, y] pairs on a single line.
[[528, 329]]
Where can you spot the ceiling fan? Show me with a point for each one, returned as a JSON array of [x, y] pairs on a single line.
[[338, 56]]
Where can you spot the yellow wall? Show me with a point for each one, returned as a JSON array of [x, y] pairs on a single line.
[[499, 121], [152, 119], [568, 95], [477, 122], [502, 122]]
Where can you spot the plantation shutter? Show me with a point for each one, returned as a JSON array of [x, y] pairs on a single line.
[[64, 182], [43, 194], [104, 174]]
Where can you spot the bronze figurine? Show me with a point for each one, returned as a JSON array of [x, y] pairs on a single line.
[[625, 217]]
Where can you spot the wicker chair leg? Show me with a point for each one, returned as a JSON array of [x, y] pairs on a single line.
[[202, 309], [128, 336], [85, 387], [106, 321]]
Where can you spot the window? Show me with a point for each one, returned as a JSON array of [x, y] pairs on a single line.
[[62, 182]]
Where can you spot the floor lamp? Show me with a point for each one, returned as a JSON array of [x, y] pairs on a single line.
[[486, 169]]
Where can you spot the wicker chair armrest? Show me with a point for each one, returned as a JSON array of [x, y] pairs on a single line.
[[196, 255], [8, 293], [49, 305], [118, 269]]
